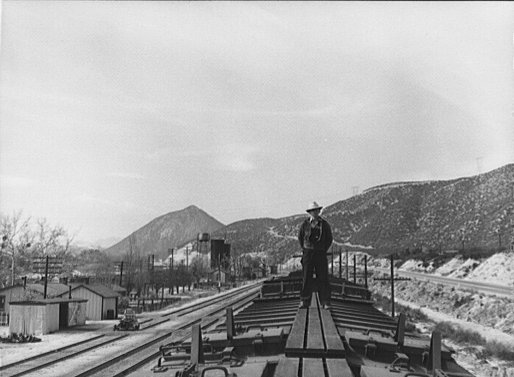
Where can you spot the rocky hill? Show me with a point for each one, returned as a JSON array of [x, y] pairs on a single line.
[[274, 239], [168, 231], [470, 212]]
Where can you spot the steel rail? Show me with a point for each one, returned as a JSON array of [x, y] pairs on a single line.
[[61, 354], [487, 288], [195, 306], [54, 357], [129, 366], [44, 354], [192, 307]]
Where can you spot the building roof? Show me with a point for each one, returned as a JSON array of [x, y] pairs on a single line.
[[52, 289], [11, 287], [99, 289], [47, 301], [117, 288]]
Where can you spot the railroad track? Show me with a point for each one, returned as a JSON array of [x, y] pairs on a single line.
[[144, 348], [479, 286], [128, 363], [192, 307]]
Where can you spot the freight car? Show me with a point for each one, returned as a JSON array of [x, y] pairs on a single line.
[[273, 337]]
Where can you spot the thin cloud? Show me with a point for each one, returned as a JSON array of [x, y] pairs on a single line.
[[228, 156], [86, 198], [236, 157], [11, 181], [120, 205], [135, 176]]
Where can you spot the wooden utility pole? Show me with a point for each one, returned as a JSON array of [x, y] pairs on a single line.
[[173, 268], [355, 268], [340, 264], [121, 274], [392, 279], [46, 277], [332, 265], [152, 276], [366, 271], [219, 272], [392, 285], [346, 250], [171, 284]]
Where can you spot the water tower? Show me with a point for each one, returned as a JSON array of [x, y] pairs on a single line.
[[202, 239]]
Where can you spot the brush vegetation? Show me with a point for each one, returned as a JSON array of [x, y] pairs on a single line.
[[470, 337]]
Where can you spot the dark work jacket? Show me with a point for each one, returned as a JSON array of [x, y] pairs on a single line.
[[308, 243]]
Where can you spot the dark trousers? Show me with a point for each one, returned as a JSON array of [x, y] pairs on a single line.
[[315, 261]]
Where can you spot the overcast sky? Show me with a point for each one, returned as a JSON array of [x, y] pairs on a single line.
[[114, 113]]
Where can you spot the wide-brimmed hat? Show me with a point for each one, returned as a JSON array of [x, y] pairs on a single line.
[[312, 206]]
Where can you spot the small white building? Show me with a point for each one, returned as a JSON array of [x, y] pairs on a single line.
[[43, 316], [31, 291]]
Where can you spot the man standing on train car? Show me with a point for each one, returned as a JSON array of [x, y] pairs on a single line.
[[315, 238]]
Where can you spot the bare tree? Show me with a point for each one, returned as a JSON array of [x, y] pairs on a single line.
[[135, 268], [53, 240], [21, 240], [199, 267], [16, 238], [96, 263]]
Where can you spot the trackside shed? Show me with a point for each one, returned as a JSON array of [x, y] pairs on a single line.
[[38, 317]]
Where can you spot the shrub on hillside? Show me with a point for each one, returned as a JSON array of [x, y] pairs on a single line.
[[381, 301], [478, 252], [415, 315], [461, 300], [500, 350], [459, 335]]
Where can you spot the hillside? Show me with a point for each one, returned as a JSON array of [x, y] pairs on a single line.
[[272, 238], [470, 212], [168, 231], [399, 217]]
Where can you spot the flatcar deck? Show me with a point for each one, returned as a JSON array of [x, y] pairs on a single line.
[[314, 334], [294, 367]]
